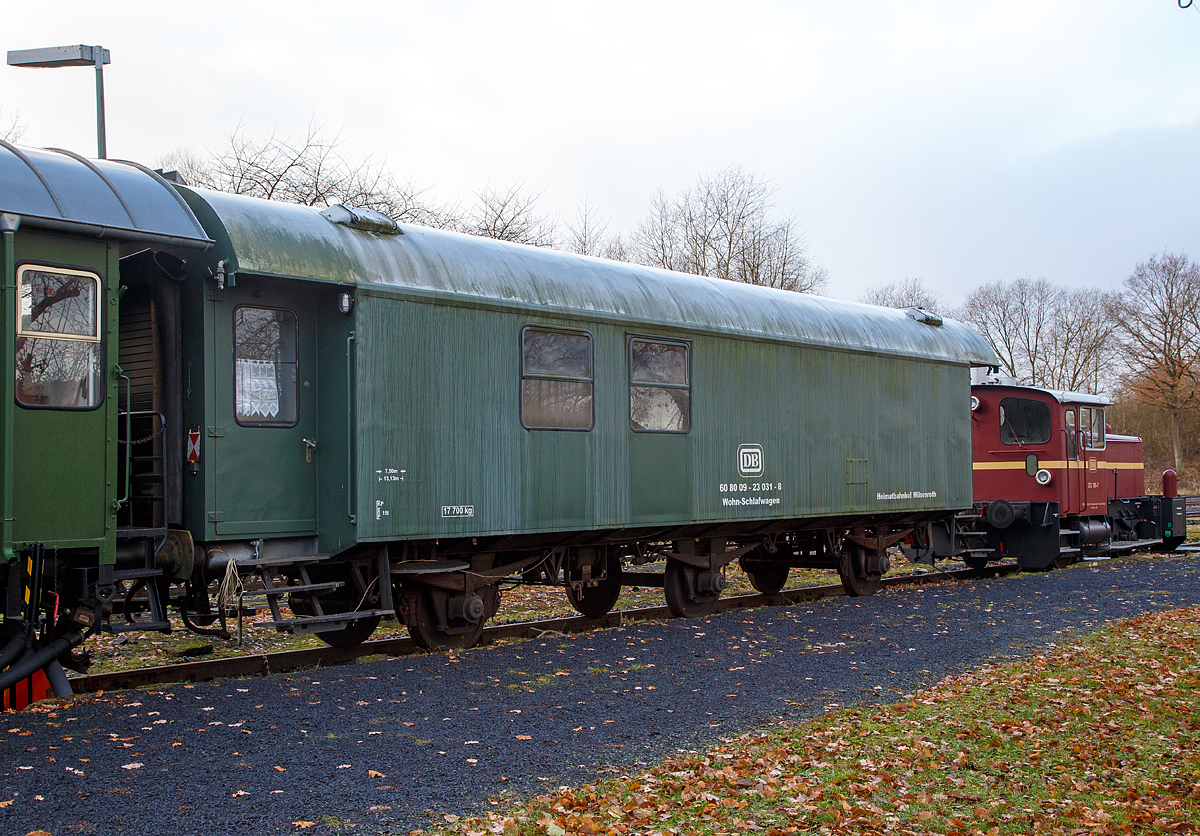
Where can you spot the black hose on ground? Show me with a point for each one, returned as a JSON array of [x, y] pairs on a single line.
[[12, 650], [57, 678], [38, 659]]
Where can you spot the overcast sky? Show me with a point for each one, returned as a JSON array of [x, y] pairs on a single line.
[[960, 142]]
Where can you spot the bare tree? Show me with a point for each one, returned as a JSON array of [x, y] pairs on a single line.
[[310, 170], [11, 129], [1080, 352], [725, 227], [509, 215], [618, 248], [1157, 320], [586, 235], [1044, 335], [909, 292]]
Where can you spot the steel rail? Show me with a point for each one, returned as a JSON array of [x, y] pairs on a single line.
[[290, 660]]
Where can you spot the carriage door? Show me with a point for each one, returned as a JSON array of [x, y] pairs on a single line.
[[61, 492], [1073, 476], [266, 441], [1096, 481]]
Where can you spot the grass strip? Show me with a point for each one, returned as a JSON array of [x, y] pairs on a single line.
[[1096, 734]]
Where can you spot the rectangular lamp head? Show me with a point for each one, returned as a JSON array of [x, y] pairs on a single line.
[[57, 56]]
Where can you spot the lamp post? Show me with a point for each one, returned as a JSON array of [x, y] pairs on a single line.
[[71, 56]]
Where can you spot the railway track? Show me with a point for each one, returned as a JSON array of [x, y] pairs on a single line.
[[268, 663]]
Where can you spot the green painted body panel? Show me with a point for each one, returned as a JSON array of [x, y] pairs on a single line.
[[259, 481], [856, 410], [841, 433], [64, 461]]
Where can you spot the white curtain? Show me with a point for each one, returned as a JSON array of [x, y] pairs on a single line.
[[257, 389]]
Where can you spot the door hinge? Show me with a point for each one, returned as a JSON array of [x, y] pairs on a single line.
[[216, 516], [215, 432]]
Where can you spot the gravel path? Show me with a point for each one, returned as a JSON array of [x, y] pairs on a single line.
[[381, 745]]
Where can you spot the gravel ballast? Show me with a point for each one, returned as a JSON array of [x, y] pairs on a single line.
[[380, 746]]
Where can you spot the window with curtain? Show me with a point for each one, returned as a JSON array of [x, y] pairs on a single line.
[[265, 374]]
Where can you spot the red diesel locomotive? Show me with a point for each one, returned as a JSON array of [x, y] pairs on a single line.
[[1052, 485]]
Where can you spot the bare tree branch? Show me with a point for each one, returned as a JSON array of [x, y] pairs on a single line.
[[909, 292], [510, 215], [11, 128], [1045, 335], [1157, 320], [309, 171], [586, 235], [724, 227]]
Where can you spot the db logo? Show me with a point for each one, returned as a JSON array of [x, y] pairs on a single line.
[[750, 460]]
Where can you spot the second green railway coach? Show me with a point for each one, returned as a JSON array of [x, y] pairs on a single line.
[[381, 419]]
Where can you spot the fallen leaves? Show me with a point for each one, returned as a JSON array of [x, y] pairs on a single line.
[[1098, 735]]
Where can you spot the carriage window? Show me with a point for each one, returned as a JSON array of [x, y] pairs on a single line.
[[556, 380], [58, 347], [1091, 427], [1024, 421], [660, 394], [264, 359], [1072, 441]]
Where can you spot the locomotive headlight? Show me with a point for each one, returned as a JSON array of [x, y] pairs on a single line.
[[974, 404], [1042, 477]]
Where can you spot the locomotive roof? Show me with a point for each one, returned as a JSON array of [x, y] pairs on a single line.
[[59, 189], [1060, 395], [272, 238]]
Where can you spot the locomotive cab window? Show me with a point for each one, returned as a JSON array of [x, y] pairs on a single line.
[[264, 359], [1091, 427], [58, 342], [556, 380], [660, 390], [1024, 421], [1072, 441]]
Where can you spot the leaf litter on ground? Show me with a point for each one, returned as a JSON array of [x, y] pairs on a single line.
[[1097, 734]]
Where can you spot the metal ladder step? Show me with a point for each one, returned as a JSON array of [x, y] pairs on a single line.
[[288, 590], [136, 574], [317, 623], [279, 562]]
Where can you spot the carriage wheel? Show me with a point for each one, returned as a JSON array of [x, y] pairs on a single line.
[[975, 561], [594, 601], [852, 566], [421, 608], [682, 589], [1063, 561], [352, 635], [767, 577]]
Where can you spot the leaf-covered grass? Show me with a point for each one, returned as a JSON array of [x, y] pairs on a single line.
[[1099, 734]]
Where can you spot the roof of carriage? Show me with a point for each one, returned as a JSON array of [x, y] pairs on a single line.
[[271, 238], [56, 189]]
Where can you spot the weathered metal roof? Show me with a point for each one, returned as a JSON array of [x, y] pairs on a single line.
[[259, 236], [1060, 395], [102, 198]]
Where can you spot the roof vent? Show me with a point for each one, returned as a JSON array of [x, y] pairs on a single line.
[[365, 220], [922, 315]]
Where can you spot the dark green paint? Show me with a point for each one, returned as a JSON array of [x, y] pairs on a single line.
[[65, 461]]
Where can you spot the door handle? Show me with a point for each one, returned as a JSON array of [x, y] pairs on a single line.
[[309, 446]]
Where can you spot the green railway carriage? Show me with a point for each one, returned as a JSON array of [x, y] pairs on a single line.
[[397, 420]]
